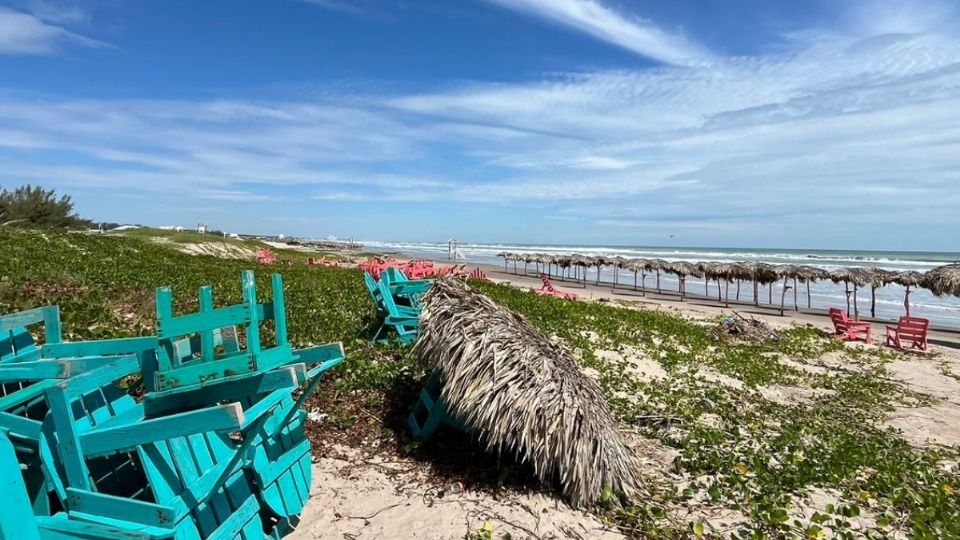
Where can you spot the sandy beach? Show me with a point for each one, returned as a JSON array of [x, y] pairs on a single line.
[[361, 494]]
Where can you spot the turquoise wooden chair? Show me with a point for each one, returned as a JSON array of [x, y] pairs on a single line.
[[17, 519], [404, 288], [28, 369], [192, 481], [175, 373], [281, 462], [403, 321], [430, 411]]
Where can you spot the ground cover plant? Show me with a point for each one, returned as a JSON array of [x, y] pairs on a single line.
[[733, 446]]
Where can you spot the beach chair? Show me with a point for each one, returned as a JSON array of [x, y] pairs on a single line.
[[28, 369], [549, 290], [179, 475], [176, 373], [910, 334], [266, 256], [403, 288], [479, 274], [848, 330], [19, 522], [402, 320], [430, 411]]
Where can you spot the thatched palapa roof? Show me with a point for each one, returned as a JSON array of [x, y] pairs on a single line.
[[524, 394], [944, 280]]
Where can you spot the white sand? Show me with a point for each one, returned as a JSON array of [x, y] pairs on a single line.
[[361, 497]]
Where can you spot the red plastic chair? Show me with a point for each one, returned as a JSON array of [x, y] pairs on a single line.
[[848, 330], [549, 290], [910, 334]]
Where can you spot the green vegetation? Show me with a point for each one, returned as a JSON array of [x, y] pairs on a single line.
[[739, 450], [734, 447]]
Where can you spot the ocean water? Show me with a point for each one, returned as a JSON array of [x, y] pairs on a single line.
[[944, 311]]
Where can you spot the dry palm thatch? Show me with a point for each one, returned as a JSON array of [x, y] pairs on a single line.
[[944, 280], [523, 394], [727, 272], [908, 279]]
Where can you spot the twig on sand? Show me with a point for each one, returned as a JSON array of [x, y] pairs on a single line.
[[368, 518]]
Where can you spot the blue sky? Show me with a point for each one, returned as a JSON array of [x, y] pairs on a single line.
[[698, 122]]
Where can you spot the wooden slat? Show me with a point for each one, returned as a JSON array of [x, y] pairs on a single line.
[[120, 508], [120, 438], [101, 347], [183, 325], [25, 318], [165, 402]]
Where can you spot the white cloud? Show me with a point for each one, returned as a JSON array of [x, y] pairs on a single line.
[[853, 133], [632, 33], [25, 33], [349, 7]]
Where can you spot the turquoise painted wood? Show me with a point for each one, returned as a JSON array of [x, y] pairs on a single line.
[[18, 522], [404, 288], [193, 484], [430, 412], [169, 467], [403, 320], [178, 372]]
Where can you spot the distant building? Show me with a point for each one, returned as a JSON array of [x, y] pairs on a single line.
[[176, 228], [202, 228], [280, 236], [125, 228]]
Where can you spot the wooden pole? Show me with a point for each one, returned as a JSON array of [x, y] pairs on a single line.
[[856, 308], [906, 301], [783, 295], [846, 292]]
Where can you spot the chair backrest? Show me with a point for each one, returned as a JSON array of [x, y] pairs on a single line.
[[389, 305], [547, 284], [839, 318], [172, 370], [374, 290], [912, 327], [393, 275], [17, 343]]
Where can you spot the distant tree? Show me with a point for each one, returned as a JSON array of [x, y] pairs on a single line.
[[38, 207]]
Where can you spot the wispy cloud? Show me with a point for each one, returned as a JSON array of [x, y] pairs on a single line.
[[349, 7], [27, 33], [607, 24], [853, 133]]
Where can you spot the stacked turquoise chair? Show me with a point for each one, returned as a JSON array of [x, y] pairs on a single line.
[[403, 289], [397, 307], [215, 449]]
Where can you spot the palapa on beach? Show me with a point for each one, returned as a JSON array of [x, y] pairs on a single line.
[[523, 394], [944, 280]]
